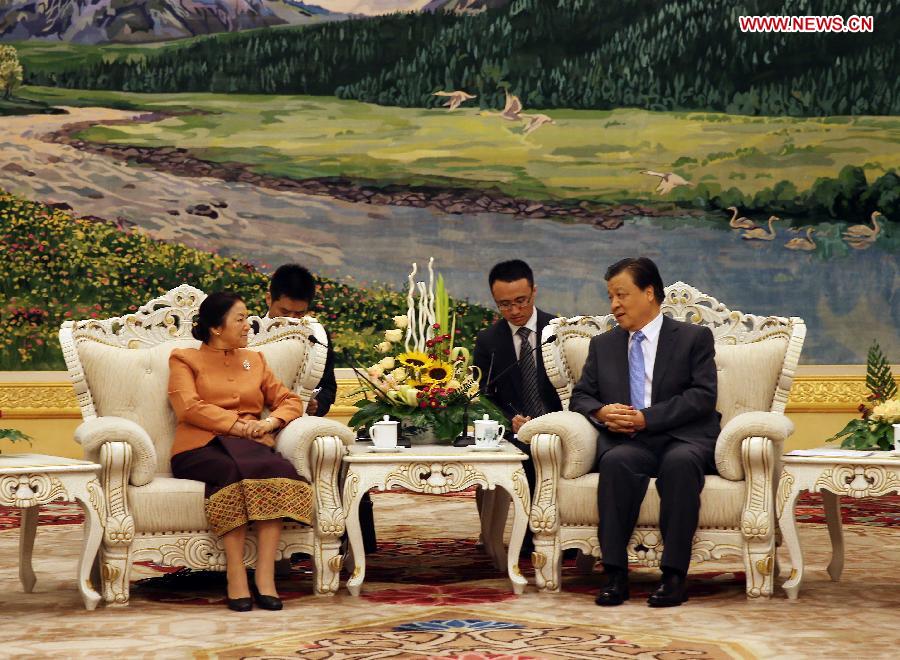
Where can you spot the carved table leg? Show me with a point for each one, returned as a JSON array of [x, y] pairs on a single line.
[[88, 495], [352, 496], [27, 529], [498, 502], [521, 501], [787, 522], [832, 504]]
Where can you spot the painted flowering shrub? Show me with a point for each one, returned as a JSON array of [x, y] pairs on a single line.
[[55, 267]]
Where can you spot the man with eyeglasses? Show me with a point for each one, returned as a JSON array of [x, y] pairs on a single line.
[[509, 355]]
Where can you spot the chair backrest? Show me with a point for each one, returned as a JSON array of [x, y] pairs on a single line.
[[120, 366], [756, 356]]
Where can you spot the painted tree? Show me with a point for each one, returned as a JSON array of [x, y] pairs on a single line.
[[10, 70]]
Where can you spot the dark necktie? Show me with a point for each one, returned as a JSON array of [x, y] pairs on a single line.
[[534, 406]]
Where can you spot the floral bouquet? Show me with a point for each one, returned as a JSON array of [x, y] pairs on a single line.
[[429, 385], [874, 429]]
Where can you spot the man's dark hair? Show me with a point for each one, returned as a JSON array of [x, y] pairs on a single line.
[[510, 271], [212, 313], [293, 281], [644, 273]]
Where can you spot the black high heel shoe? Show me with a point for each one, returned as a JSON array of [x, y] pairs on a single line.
[[240, 604], [267, 602]]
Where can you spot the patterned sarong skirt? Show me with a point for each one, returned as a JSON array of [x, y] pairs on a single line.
[[245, 481]]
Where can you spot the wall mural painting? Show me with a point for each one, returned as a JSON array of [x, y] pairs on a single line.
[[149, 142]]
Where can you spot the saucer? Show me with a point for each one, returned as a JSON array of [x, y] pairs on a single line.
[[490, 448], [385, 450]]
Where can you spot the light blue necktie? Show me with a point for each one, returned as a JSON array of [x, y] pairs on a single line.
[[636, 370]]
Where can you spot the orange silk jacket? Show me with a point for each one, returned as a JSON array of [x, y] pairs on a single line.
[[210, 389]]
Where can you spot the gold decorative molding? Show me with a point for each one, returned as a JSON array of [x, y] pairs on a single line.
[[56, 400], [35, 400], [827, 394]]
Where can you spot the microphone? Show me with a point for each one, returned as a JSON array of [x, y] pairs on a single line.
[[464, 439], [531, 349]]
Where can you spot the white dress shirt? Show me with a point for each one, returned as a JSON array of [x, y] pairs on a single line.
[[532, 338], [648, 347]]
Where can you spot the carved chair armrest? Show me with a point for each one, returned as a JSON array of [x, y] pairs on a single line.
[[315, 446], [578, 439], [756, 424], [94, 433], [547, 454], [295, 442]]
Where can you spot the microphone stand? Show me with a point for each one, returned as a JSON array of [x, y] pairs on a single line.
[[464, 439]]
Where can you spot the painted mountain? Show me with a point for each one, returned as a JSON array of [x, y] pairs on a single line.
[[464, 6], [101, 21]]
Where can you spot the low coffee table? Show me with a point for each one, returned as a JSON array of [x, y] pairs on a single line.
[[855, 474], [29, 480], [435, 470]]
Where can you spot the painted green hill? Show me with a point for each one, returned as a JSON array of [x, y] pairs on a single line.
[[590, 54]]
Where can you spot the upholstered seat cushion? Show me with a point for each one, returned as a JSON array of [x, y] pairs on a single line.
[[167, 504], [133, 383], [721, 502]]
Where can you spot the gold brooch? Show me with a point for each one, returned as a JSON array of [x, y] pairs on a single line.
[[247, 365]]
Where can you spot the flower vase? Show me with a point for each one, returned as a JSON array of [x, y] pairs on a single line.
[[421, 436]]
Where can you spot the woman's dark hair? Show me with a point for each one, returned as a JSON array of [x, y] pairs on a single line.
[[511, 271], [293, 281], [212, 313], [643, 272]]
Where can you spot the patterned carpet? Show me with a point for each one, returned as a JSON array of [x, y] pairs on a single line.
[[442, 598]]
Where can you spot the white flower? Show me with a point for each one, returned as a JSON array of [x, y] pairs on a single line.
[[388, 363], [401, 322], [393, 335], [376, 371], [453, 384], [383, 347], [889, 411], [399, 374]]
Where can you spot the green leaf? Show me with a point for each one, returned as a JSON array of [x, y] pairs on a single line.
[[879, 379]]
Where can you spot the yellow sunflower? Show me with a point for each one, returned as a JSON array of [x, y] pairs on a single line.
[[414, 360], [438, 373]]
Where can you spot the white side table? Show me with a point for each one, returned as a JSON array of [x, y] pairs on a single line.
[[29, 480], [434, 470], [856, 476]]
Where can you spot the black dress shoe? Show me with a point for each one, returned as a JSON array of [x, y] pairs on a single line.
[[268, 602], [616, 590], [239, 604], [672, 591]]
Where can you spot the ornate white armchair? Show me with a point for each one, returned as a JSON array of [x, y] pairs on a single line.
[[119, 368], [756, 358]]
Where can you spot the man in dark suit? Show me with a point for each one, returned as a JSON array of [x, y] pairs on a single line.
[[292, 290], [650, 386], [509, 354]]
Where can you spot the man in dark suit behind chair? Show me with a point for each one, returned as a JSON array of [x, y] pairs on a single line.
[[509, 355], [650, 386], [292, 291]]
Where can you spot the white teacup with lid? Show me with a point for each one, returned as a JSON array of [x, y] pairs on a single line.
[[488, 432], [384, 433]]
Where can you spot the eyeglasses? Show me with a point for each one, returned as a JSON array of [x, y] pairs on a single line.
[[519, 303]]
